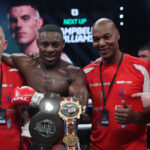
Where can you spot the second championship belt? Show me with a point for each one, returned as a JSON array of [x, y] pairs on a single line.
[[70, 111], [46, 127]]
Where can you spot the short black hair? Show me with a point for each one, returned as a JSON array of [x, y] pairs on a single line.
[[21, 3], [146, 47], [51, 28]]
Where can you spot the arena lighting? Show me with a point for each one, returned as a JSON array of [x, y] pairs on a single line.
[[121, 8], [121, 16], [121, 23]]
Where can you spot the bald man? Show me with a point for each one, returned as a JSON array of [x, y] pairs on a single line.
[[118, 120], [10, 122]]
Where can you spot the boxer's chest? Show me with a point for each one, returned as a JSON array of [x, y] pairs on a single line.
[[49, 81]]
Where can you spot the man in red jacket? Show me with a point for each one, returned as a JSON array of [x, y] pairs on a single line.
[[118, 120], [10, 123]]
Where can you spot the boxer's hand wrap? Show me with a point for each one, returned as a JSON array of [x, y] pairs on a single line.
[[26, 96]]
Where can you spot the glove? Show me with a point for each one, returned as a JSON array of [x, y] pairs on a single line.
[[26, 96]]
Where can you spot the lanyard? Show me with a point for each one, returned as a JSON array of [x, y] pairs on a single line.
[[112, 82], [1, 82]]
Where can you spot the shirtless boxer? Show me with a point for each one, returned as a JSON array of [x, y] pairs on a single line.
[[49, 73]]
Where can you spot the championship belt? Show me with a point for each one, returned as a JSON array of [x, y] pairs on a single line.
[[70, 111], [46, 127]]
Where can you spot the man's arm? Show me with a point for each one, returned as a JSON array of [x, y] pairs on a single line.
[[126, 115], [13, 60], [145, 98], [78, 87]]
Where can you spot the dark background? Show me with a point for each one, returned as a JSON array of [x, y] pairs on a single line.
[[134, 33]]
